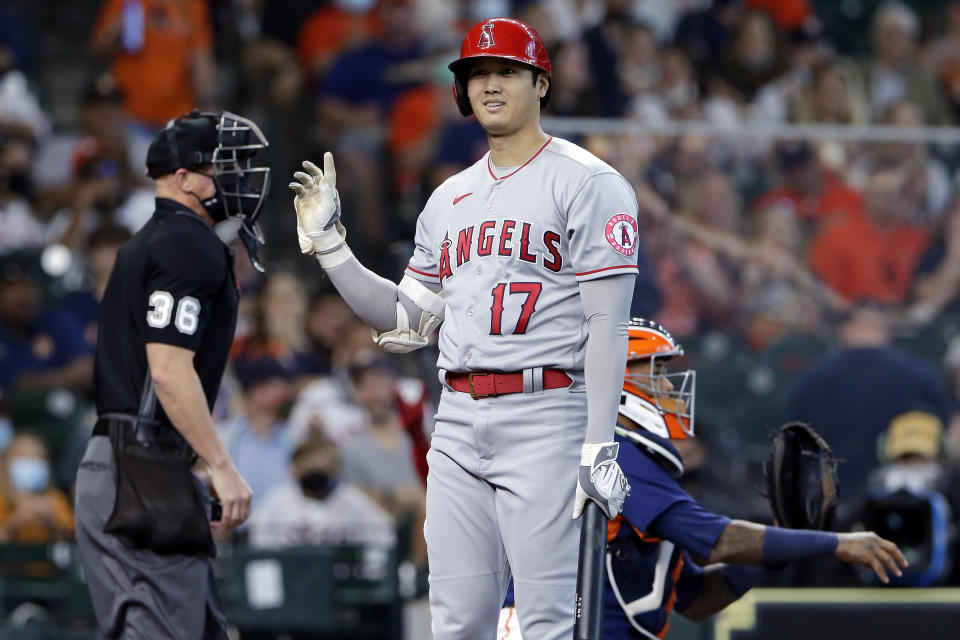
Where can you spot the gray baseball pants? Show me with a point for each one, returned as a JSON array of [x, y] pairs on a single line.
[[500, 495], [138, 594]]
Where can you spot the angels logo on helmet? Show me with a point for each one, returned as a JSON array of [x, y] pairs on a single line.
[[486, 36]]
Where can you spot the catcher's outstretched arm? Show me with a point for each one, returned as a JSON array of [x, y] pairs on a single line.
[[750, 543]]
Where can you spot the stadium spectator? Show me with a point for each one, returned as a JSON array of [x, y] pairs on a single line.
[[703, 34], [100, 134], [416, 121], [355, 99], [381, 460], [811, 191], [807, 50], [161, 54], [697, 280], [258, 439], [327, 320], [832, 97], [675, 95], [873, 255], [326, 405], [39, 348], [913, 497], [84, 304], [780, 294], [22, 227], [32, 510], [894, 73], [316, 507], [272, 315], [100, 192], [638, 67], [606, 43], [927, 182], [753, 57], [271, 72], [850, 396], [100, 112], [332, 29], [283, 304]]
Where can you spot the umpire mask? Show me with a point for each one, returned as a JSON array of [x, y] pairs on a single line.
[[229, 143]]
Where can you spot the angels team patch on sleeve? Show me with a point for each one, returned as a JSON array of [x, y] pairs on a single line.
[[621, 233]]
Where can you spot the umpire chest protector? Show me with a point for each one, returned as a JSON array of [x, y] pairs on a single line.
[[173, 283]]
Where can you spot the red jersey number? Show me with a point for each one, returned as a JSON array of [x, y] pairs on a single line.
[[532, 291]]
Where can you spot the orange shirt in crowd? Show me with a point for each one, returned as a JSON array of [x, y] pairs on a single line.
[[329, 31], [788, 14], [156, 80], [836, 197], [38, 531], [414, 118], [861, 261]]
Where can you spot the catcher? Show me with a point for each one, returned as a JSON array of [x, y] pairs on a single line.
[[665, 551]]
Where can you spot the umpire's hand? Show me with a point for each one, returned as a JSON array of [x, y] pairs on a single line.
[[234, 494]]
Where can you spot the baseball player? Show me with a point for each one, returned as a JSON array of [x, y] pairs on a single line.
[[652, 544], [528, 259]]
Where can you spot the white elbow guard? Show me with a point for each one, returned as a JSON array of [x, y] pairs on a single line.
[[404, 339]]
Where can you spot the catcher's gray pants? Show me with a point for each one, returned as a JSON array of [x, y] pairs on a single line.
[[138, 594], [500, 495]]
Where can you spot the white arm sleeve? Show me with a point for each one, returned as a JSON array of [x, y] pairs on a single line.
[[374, 299], [606, 304]]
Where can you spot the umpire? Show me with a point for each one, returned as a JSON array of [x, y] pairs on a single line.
[[166, 326]]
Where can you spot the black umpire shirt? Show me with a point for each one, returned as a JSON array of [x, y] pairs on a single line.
[[172, 283]]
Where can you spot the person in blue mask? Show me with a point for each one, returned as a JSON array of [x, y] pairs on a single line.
[[32, 510]]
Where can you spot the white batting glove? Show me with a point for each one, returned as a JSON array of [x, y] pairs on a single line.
[[317, 204], [600, 479]]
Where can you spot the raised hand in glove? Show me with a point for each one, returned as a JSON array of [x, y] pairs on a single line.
[[317, 204], [600, 479]]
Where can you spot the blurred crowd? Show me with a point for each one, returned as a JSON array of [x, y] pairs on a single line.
[[814, 279]]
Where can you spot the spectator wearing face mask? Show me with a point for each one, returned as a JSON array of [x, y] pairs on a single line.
[[40, 349], [317, 507], [32, 511]]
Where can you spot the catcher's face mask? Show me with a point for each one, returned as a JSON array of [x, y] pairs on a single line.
[[228, 143], [655, 399], [241, 185]]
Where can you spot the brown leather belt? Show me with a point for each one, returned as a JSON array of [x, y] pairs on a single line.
[[487, 384]]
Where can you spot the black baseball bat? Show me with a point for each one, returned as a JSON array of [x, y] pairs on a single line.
[[593, 544]]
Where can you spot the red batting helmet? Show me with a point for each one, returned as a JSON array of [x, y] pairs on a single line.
[[504, 38]]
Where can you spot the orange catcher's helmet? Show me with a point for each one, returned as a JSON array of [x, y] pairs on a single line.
[[654, 399], [503, 38]]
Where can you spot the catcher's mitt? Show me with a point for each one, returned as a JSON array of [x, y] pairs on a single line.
[[801, 474]]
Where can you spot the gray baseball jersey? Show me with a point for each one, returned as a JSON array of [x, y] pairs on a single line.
[[509, 247]]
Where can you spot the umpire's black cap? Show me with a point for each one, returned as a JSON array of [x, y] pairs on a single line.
[[188, 141]]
